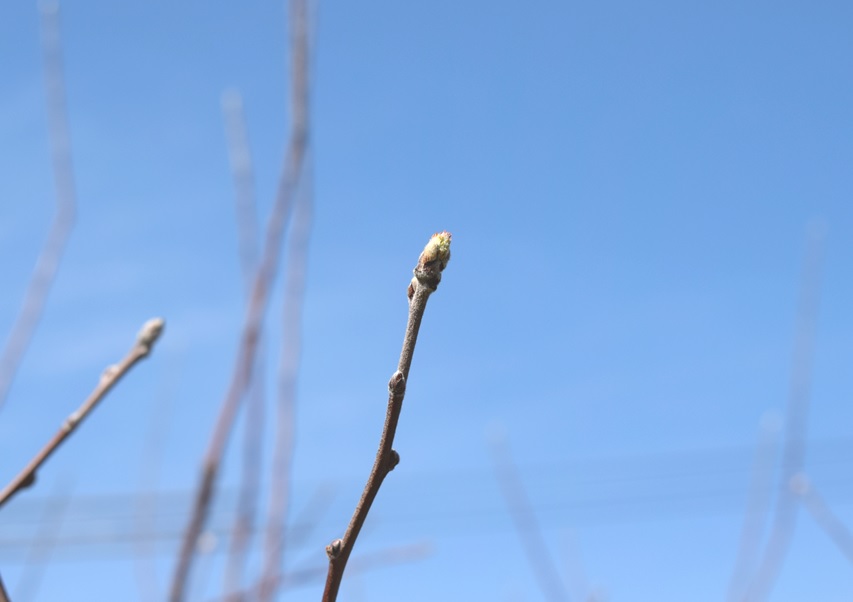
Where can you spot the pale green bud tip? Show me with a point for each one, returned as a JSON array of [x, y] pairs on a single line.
[[437, 250]]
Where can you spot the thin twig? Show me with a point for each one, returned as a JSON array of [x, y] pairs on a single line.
[[758, 504], [529, 531], [291, 346], [282, 463], [43, 543], [802, 486], [431, 263], [144, 342], [796, 419], [253, 433], [253, 325], [63, 220]]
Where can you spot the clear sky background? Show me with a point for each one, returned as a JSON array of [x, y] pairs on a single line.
[[629, 186]]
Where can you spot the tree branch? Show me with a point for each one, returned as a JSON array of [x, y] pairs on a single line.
[[431, 263], [253, 326], [63, 220], [144, 342]]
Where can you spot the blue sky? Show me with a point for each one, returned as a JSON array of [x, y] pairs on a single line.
[[629, 188]]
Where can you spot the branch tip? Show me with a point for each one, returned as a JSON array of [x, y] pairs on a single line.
[[150, 332]]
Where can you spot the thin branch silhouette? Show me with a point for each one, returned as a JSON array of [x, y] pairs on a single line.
[[431, 263], [63, 220], [145, 340], [252, 329], [253, 433]]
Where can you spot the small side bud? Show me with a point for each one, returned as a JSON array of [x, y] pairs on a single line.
[[150, 332], [393, 460], [397, 384], [334, 548]]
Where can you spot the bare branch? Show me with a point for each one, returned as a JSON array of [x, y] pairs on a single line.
[[526, 525], [294, 294], [145, 340], [4, 597], [253, 434], [63, 220], [796, 419], [253, 326], [431, 263]]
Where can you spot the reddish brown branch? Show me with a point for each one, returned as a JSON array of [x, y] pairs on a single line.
[[63, 220], [144, 342], [431, 263], [252, 329], [253, 434]]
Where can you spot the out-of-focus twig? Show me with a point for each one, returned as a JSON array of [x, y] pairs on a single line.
[[43, 544], [363, 563], [529, 531], [252, 329], [280, 478], [431, 263], [796, 419], [802, 486], [758, 504], [63, 220], [144, 342], [253, 433]]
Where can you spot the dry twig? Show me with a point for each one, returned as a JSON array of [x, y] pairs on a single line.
[[253, 325], [144, 342], [431, 263], [242, 173], [63, 220]]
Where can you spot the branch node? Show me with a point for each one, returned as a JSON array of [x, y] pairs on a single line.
[[397, 384], [393, 460], [334, 548]]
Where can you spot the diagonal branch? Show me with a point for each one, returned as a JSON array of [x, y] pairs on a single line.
[[431, 263], [242, 173], [63, 174], [144, 342], [252, 329]]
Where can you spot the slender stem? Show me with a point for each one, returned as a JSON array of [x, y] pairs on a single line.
[[252, 329], [427, 277], [63, 175], [144, 341], [253, 433]]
